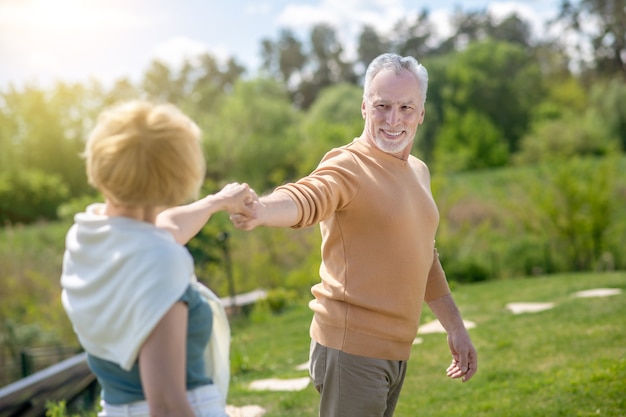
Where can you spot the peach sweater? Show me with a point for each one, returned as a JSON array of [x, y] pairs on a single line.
[[378, 222]]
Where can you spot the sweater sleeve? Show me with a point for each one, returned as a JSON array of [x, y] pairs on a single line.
[[437, 285], [329, 188]]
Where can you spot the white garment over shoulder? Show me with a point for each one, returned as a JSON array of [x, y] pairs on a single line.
[[217, 352], [150, 273]]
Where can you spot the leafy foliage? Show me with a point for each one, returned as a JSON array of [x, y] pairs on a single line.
[[30, 195], [499, 81], [469, 142], [44, 130], [252, 136], [60, 409], [575, 206], [563, 216], [332, 121]]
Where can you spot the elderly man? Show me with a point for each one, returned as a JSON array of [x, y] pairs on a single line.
[[378, 221]]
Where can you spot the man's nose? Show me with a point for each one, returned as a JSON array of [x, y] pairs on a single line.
[[393, 117]]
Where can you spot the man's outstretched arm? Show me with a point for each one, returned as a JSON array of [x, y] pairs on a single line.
[[275, 210]]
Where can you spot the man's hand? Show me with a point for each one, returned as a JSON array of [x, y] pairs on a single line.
[[246, 220], [464, 357]]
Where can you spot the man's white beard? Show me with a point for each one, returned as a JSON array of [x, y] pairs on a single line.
[[391, 146]]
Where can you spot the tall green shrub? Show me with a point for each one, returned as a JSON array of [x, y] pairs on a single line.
[[572, 205], [30, 195]]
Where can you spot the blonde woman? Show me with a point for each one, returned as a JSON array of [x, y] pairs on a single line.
[[128, 281]]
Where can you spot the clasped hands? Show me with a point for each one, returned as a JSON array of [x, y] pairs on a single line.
[[242, 203]]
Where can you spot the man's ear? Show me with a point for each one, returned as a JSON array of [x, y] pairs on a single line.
[[363, 109], [422, 116]]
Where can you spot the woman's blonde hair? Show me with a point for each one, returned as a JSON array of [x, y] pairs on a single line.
[[145, 154]]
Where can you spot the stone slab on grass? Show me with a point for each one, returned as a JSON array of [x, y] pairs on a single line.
[[598, 292], [275, 384], [524, 307], [436, 327], [245, 411]]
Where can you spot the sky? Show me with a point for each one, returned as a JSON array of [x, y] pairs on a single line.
[[43, 41]]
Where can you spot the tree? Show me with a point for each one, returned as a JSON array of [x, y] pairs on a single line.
[[47, 129], [210, 81], [306, 74], [413, 37], [284, 59], [469, 27], [327, 66], [370, 45], [8, 128], [333, 120], [607, 37], [469, 141], [608, 102], [498, 80], [425, 141], [565, 95], [478, 26], [122, 90], [159, 84], [251, 136], [200, 81], [512, 29]]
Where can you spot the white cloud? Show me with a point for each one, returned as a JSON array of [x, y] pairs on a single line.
[[302, 17], [257, 9], [175, 51]]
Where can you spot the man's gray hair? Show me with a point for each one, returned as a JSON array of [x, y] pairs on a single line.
[[397, 64]]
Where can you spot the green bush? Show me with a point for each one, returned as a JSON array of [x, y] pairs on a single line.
[[278, 299], [573, 205], [467, 271], [30, 195], [60, 409]]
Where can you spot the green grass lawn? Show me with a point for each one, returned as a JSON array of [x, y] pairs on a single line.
[[566, 361]]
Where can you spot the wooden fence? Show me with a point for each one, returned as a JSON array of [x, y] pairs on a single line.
[[64, 381]]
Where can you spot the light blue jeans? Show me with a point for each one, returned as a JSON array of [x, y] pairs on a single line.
[[206, 401]]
